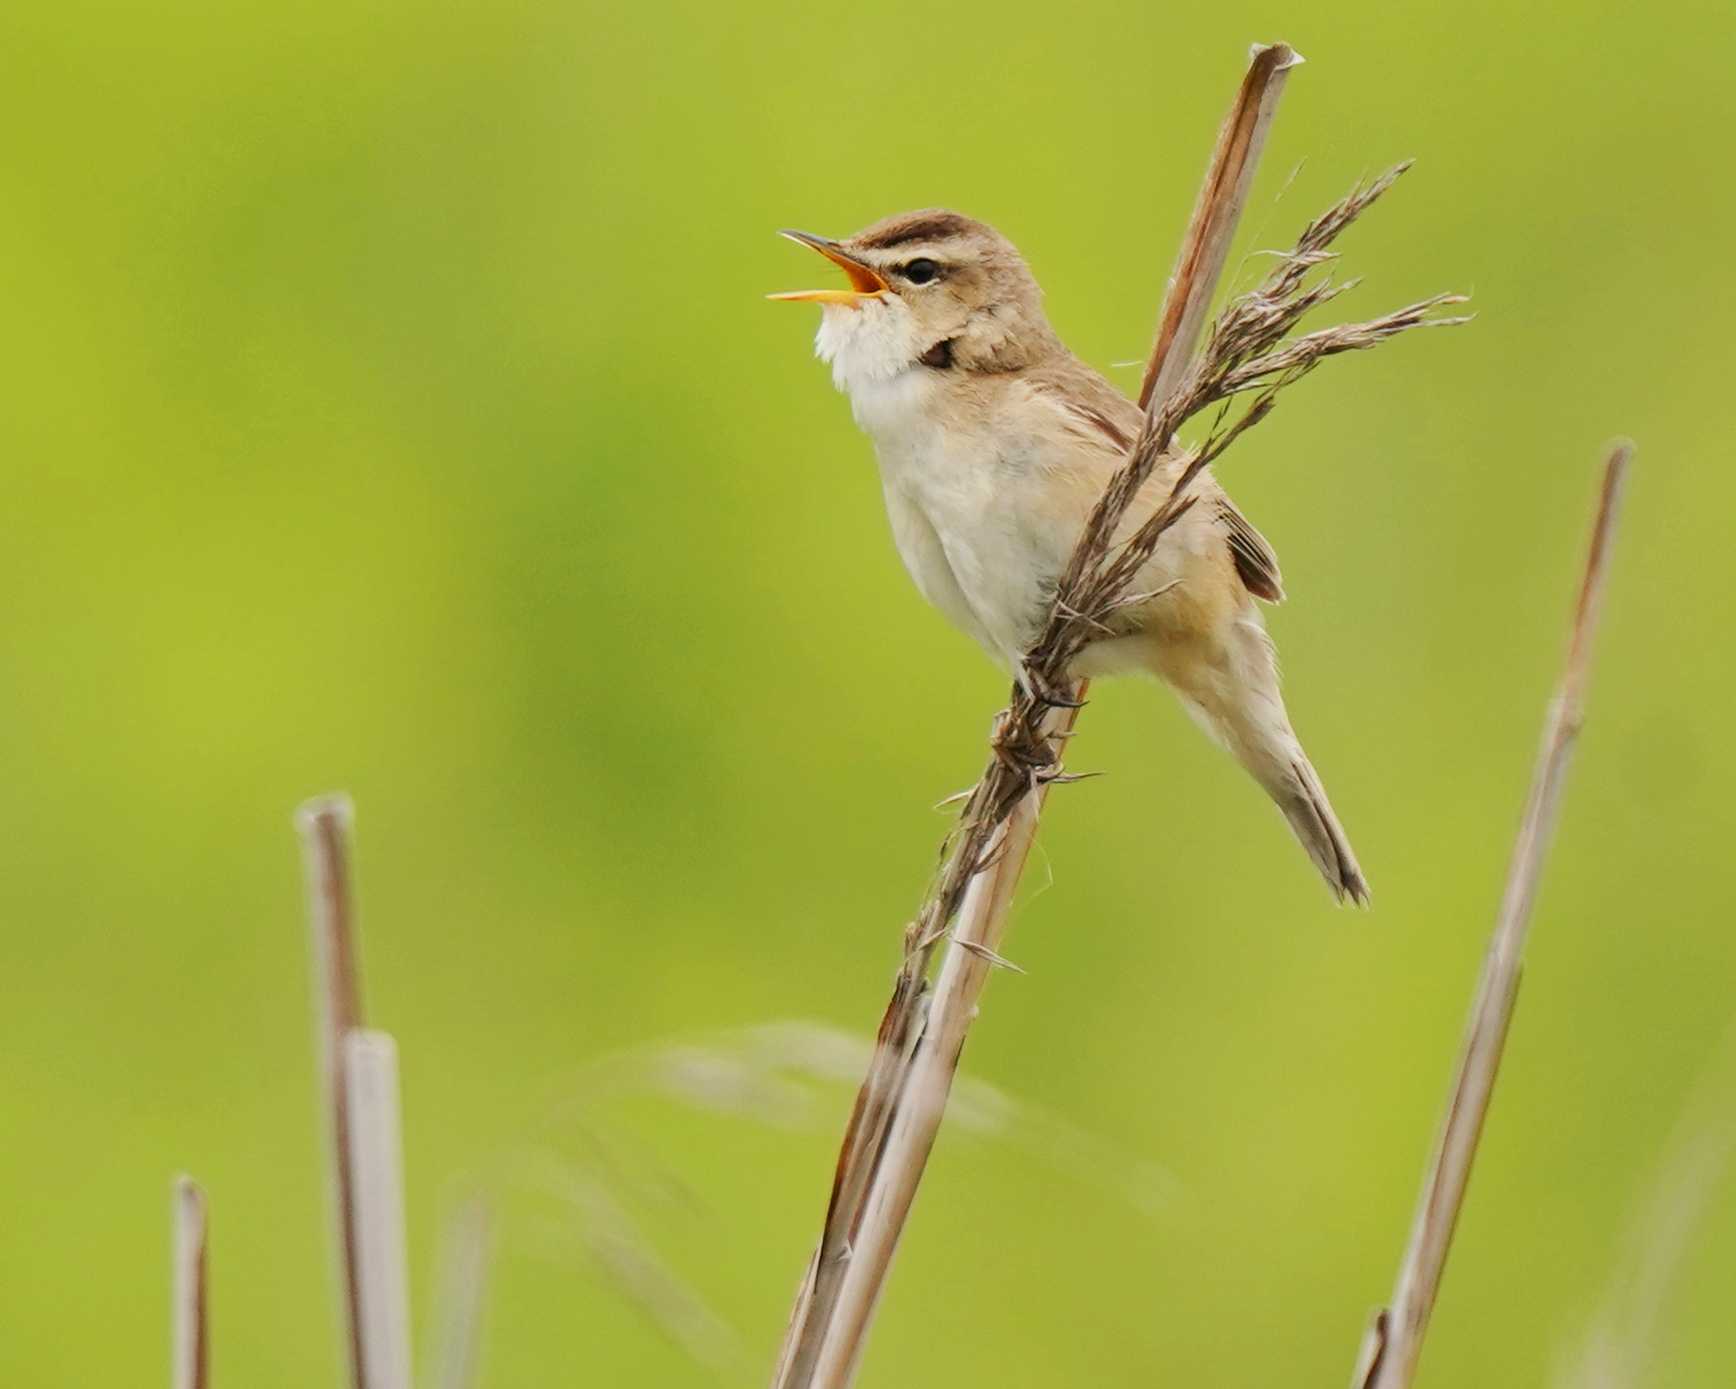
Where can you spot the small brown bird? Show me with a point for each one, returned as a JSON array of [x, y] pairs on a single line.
[[994, 442]]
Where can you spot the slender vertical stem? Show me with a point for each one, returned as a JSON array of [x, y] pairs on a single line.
[[982, 922], [1394, 1343], [376, 1160], [899, 1111], [325, 826], [189, 1335]]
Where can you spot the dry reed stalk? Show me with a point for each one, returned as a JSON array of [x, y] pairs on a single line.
[[376, 1164], [1212, 227], [325, 824], [189, 1335], [1249, 353], [986, 893], [1391, 1348]]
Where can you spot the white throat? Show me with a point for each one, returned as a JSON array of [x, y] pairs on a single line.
[[873, 353], [867, 345]]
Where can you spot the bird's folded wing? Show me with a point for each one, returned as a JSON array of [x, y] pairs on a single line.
[[1256, 561], [1102, 415]]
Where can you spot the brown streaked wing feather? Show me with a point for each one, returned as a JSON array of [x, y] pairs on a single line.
[[1256, 561]]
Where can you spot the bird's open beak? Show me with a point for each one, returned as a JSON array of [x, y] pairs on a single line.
[[865, 282]]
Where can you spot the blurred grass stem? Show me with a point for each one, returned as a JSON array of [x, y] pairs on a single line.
[[325, 825], [463, 1296], [376, 1163], [189, 1333]]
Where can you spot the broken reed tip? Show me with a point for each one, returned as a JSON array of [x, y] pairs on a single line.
[[333, 806], [1288, 57], [370, 1046]]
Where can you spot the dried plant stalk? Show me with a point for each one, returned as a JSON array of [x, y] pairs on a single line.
[[376, 1163], [1206, 246], [982, 888], [1390, 1350], [325, 826], [189, 1336], [898, 1110]]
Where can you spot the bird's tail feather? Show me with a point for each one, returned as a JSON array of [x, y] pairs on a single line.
[[1251, 723], [1233, 693], [1303, 800]]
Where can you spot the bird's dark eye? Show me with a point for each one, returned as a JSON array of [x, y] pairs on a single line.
[[921, 271]]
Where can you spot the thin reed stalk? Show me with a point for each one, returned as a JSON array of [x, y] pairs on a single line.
[[189, 1332], [988, 891], [325, 825], [1393, 1344], [376, 1163], [1249, 354]]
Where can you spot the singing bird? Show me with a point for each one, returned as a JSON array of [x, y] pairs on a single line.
[[994, 442]]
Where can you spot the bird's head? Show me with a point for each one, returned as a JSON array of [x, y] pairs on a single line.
[[930, 289]]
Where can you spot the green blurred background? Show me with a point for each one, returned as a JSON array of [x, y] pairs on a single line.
[[390, 405]]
